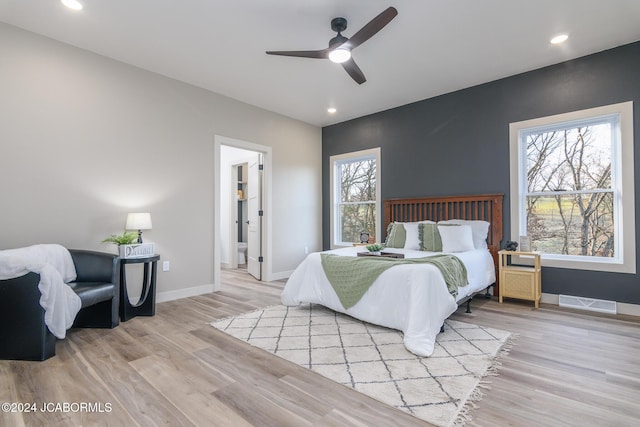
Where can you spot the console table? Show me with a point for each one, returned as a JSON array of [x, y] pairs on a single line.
[[146, 305]]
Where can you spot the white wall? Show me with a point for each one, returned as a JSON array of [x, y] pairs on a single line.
[[85, 139]]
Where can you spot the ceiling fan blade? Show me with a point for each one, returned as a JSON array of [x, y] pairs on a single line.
[[369, 30], [317, 54], [354, 71]]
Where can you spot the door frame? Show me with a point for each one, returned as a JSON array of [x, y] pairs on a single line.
[[218, 142]]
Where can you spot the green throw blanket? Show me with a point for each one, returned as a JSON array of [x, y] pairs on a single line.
[[351, 277]]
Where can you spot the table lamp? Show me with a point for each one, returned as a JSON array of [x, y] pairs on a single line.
[[138, 221]]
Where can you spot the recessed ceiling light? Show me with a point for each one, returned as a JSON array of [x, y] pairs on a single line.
[[72, 4], [331, 110], [561, 38]]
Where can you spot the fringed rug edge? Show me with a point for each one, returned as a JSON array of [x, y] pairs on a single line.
[[477, 394]]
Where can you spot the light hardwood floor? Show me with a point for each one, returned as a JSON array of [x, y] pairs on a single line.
[[566, 369]]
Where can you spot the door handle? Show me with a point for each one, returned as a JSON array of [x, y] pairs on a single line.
[[247, 222]]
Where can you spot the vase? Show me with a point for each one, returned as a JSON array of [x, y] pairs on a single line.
[[136, 250]]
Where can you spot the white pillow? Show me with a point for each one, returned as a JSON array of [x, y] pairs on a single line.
[[412, 241], [479, 230], [456, 239]]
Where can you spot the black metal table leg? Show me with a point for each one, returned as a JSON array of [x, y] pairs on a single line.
[[146, 305]]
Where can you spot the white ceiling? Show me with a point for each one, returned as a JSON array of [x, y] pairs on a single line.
[[432, 47]]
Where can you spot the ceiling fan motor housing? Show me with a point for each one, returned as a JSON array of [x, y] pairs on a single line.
[[338, 24], [337, 40]]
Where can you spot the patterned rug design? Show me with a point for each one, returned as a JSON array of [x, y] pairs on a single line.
[[371, 359]]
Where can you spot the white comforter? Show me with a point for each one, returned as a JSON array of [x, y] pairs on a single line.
[[410, 297], [55, 266]]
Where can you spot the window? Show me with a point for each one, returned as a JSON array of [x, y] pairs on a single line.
[[355, 196], [572, 188]]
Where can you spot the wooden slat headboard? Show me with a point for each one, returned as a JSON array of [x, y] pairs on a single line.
[[485, 207]]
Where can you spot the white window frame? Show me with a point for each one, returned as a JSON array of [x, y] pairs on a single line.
[[622, 180], [334, 162]]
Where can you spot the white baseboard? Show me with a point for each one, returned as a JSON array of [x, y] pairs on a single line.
[[184, 293], [281, 275], [623, 308], [550, 299], [630, 309]]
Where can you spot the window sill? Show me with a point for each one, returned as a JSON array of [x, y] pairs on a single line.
[[605, 265]]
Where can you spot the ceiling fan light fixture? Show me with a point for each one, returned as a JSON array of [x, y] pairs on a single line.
[[561, 38], [339, 55], [72, 4]]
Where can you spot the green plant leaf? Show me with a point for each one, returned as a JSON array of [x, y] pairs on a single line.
[[123, 239], [376, 247]]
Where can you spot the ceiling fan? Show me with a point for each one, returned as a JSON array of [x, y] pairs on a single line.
[[340, 47]]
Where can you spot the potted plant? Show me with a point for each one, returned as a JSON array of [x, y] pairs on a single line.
[[126, 238], [375, 248], [128, 246]]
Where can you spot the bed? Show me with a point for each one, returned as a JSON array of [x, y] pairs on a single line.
[[413, 298]]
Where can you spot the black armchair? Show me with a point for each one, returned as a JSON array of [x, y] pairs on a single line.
[[23, 333], [98, 286]]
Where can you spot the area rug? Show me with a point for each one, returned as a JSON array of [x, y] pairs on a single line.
[[371, 359]]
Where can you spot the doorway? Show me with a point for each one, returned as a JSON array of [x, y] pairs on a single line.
[[245, 204], [242, 186]]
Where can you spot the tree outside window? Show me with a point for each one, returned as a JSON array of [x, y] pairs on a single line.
[[570, 199], [355, 196], [358, 199]]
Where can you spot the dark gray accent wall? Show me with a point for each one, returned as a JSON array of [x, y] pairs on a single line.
[[458, 143]]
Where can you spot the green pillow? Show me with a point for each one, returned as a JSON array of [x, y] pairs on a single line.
[[389, 227], [396, 236], [429, 238]]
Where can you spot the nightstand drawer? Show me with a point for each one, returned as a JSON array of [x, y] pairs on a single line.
[[519, 284]]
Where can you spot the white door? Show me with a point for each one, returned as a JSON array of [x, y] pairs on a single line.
[[254, 229], [233, 219]]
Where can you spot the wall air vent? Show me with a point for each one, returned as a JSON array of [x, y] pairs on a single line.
[[600, 305]]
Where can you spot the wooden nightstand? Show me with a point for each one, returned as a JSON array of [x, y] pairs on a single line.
[[520, 281]]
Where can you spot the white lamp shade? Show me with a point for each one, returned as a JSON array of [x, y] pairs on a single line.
[[138, 221]]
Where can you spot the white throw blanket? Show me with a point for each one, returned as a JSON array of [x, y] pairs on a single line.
[[55, 266]]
